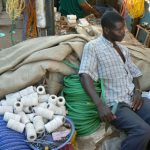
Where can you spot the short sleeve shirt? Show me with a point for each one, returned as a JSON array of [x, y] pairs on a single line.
[[100, 60]]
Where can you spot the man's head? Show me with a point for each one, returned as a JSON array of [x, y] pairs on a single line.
[[113, 26]]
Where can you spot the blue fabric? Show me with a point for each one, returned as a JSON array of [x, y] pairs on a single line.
[[11, 140], [136, 124]]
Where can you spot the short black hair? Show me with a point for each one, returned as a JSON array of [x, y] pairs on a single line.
[[109, 19]]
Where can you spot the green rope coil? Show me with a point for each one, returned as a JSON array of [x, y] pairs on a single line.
[[81, 109]]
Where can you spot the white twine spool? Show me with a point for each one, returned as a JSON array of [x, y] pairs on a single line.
[[54, 124], [57, 110], [17, 126], [30, 100], [38, 124], [43, 98], [52, 107], [4, 103], [8, 116], [24, 118], [4, 109], [61, 101], [13, 95], [45, 113], [52, 99], [27, 109], [18, 106], [40, 90], [43, 105], [45, 120], [31, 116], [31, 133], [71, 17], [11, 101], [61, 111], [27, 91]]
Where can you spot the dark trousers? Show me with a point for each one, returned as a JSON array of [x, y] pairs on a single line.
[[135, 124]]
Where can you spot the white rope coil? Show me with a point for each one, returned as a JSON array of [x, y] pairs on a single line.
[[33, 105], [54, 124], [38, 124], [27, 91], [43, 98], [61, 101], [8, 116], [31, 133], [31, 116], [45, 113], [24, 118], [52, 99], [40, 90], [14, 125], [44, 105], [4, 109], [27, 109], [30, 100], [18, 107], [11, 101], [13, 95], [4, 103]]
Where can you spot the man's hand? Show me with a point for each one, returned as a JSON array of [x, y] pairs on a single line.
[[137, 101], [106, 114]]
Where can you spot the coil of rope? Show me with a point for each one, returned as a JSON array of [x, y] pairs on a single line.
[[135, 8], [14, 9], [81, 109], [31, 30]]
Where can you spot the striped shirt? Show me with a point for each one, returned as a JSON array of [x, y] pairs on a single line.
[[100, 60]]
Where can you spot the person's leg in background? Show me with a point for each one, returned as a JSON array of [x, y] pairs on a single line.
[[137, 129]]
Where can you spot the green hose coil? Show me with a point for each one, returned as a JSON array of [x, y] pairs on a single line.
[[81, 109]]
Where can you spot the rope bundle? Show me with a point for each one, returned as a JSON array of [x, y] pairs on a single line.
[[31, 30], [135, 8], [42, 115], [81, 108], [14, 8]]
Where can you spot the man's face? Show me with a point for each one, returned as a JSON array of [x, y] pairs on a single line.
[[117, 33]]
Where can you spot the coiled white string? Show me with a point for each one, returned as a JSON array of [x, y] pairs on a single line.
[[18, 106], [54, 124], [17, 126], [40, 90], [24, 118], [45, 113], [31, 133], [38, 124], [8, 116]]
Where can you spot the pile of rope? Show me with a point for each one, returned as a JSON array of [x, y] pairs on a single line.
[[135, 8], [14, 9], [30, 30], [81, 109]]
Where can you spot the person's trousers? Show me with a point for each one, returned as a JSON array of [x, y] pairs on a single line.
[[135, 124]]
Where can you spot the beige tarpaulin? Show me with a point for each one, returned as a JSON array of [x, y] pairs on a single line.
[[27, 62]]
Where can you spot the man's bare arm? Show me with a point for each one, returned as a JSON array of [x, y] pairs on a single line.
[[104, 112]]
